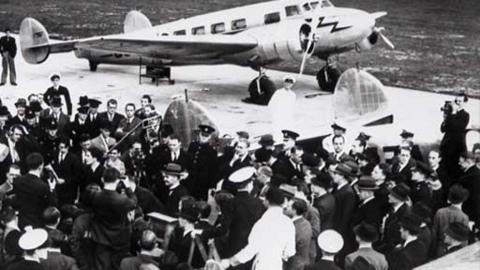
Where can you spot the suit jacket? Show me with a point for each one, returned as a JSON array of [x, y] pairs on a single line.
[[239, 216], [345, 206], [16, 120], [421, 192], [409, 257], [59, 261], [226, 170], [326, 207], [323, 265], [32, 196], [125, 126], [174, 196], [91, 177], [391, 232], [471, 181], [375, 259], [110, 225], [68, 169], [77, 130], [370, 212], [405, 173], [204, 169], [98, 143], [63, 121], [133, 263], [283, 166], [442, 219], [8, 45], [303, 237], [113, 125], [183, 159], [93, 125], [62, 91]]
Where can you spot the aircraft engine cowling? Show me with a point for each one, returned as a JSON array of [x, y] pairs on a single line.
[[368, 42], [281, 42]]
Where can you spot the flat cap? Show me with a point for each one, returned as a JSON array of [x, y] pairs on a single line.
[[367, 182], [400, 191], [173, 169]]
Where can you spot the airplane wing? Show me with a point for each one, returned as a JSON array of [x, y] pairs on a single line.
[[171, 47]]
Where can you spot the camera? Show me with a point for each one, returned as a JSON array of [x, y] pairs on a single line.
[[447, 108]]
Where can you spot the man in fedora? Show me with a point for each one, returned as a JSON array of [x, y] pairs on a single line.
[[172, 174], [370, 209], [204, 168], [345, 206], [323, 200], [58, 90], [55, 112], [456, 237], [391, 237], [365, 235], [20, 105], [412, 252], [263, 154], [8, 49], [420, 187]]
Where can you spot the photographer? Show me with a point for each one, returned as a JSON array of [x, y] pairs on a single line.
[[454, 126]]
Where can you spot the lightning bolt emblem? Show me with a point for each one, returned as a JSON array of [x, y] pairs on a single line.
[[332, 24]]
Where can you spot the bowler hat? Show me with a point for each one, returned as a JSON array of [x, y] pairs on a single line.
[[56, 101], [288, 134], [406, 134], [411, 222], [366, 232], [83, 101], [206, 129], [35, 106], [189, 211], [4, 111], [323, 180], [367, 182], [266, 139], [458, 231], [29, 114], [400, 191], [21, 102], [173, 169]]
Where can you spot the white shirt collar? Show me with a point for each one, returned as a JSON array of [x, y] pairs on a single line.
[[396, 207]]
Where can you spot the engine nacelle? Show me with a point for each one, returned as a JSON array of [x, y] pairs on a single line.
[[368, 42]]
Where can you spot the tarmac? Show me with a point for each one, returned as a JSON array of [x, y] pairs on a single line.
[[220, 90]]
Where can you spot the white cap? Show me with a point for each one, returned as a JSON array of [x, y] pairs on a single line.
[[289, 77], [54, 74], [330, 241], [241, 175], [32, 238]]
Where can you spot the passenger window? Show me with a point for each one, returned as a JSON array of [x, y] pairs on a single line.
[[180, 33], [306, 7], [239, 24], [198, 30], [217, 28], [272, 17], [314, 4], [292, 11]]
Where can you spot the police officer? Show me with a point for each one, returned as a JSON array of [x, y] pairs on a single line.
[[204, 167]]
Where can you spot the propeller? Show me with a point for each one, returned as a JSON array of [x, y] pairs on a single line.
[[378, 31]]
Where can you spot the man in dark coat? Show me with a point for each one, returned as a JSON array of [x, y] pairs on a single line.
[[79, 127], [14, 150], [67, 166], [290, 166], [32, 195], [8, 49], [323, 200], [110, 226], [20, 105], [204, 167], [111, 116], [401, 166], [345, 206], [93, 120], [58, 90], [453, 142], [146, 199], [371, 208], [413, 252], [172, 175], [470, 179], [240, 159], [391, 228]]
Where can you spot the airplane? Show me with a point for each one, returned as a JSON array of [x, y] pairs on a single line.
[[255, 35]]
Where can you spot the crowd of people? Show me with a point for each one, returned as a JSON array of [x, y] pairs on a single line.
[[76, 194]]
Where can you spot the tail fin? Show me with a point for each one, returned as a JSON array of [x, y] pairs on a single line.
[[35, 43], [135, 20], [359, 96]]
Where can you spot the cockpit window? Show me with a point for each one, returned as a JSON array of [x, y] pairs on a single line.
[[239, 24], [292, 10], [326, 3], [272, 17], [217, 28], [314, 4], [198, 30]]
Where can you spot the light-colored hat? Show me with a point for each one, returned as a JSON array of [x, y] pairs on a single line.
[[32, 238], [289, 78], [242, 175], [330, 241]]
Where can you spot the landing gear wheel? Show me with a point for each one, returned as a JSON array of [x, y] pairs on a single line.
[[327, 78], [262, 96], [93, 65]]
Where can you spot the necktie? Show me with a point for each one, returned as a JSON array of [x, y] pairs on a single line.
[[60, 159]]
